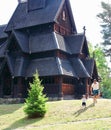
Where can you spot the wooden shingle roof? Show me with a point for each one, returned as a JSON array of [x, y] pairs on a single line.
[[90, 65], [76, 43], [79, 68], [36, 42], [23, 17], [3, 49], [17, 66], [2, 33], [45, 66], [3, 42], [48, 67]]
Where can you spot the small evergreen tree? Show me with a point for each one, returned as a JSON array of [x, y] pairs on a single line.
[[35, 105]]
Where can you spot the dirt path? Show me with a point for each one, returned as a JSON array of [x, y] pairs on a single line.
[[63, 123]]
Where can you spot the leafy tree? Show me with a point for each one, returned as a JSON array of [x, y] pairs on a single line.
[[106, 87], [103, 70], [35, 105], [105, 18], [101, 62]]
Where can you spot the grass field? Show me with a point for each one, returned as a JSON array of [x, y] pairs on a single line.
[[61, 115]]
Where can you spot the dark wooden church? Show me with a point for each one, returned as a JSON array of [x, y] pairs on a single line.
[[41, 35]]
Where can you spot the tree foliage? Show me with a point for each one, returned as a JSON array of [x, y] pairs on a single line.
[[103, 70], [35, 105], [101, 62], [105, 18]]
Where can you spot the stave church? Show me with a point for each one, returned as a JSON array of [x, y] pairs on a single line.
[[41, 36]]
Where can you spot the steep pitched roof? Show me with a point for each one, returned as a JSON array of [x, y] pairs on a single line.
[[3, 49], [90, 66], [66, 68], [53, 66], [10, 62], [62, 44], [23, 17], [20, 66], [2, 63], [75, 43], [22, 39], [3, 42], [79, 68], [2, 33], [45, 66], [42, 42], [36, 42], [17, 66]]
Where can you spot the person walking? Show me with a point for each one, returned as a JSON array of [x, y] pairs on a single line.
[[95, 90]]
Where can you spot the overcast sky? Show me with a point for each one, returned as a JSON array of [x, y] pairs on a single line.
[[84, 12]]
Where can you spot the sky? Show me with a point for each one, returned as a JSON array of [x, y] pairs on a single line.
[[84, 12]]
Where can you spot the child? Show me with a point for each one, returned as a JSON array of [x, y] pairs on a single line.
[[84, 101]]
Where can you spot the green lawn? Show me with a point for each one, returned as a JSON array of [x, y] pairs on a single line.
[[61, 115]]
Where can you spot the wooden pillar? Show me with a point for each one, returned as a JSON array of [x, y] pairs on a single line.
[[60, 88], [15, 87], [1, 86], [19, 86], [12, 87], [0, 90], [87, 88]]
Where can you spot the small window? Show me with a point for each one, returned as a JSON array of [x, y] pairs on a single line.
[[64, 15]]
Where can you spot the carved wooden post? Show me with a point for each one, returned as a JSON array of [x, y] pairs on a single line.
[[1, 87], [20, 87], [60, 88], [87, 88], [12, 87]]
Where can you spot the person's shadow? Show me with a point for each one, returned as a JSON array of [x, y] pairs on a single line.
[[81, 110]]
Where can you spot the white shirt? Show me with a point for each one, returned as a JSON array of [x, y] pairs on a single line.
[[83, 99], [95, 86]]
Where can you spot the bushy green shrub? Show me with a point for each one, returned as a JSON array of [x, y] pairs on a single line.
[[35, 105]]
